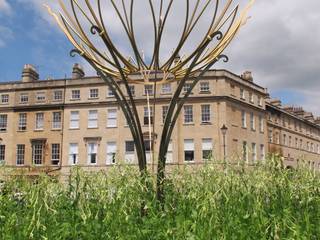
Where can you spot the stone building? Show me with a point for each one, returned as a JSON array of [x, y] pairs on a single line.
[[52, 125]]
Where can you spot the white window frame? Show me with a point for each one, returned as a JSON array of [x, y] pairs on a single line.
[[186, 87], [2, 153], [189, 148], [74, 120], [75, 94], [261, 124], [245, 155], [57, 95], [188, 114], [204, 87], [39, 121], [146, 116], [93, 119], [92, 153], [20, 154], [73, 153], [207, 149], [254, 152], [252, 121], [242, 94], [56, 120], [37, 153], [4, 98], [112, 118], [243, 118], [166, 88], [55, 153], [206, 113], [24, 98], [262, 152], [3, 122], [111, 152], [40, 96], [251, 97], [22, 125], [94, 93], [165, 110]]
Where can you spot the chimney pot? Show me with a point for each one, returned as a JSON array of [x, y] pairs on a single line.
[[29, 73], [77, 71]]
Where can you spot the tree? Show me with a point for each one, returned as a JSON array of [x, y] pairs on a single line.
[[116, 69]]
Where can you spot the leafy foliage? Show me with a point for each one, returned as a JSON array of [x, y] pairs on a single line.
[[267, 202]]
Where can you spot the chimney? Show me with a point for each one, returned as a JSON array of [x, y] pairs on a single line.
[[247, 75], [276, 102], [309, 116], [317, 121], [77, 71], [299, 112], [29, 73]]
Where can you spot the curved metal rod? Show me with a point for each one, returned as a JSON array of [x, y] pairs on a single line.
[[184, 99], [135, 115]]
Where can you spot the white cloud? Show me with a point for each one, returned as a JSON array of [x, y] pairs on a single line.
[[5, 7], [280, 43]]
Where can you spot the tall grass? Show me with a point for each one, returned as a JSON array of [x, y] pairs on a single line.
[[266, 202]]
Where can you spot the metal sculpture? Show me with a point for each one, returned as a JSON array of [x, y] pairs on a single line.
[[116, 69]]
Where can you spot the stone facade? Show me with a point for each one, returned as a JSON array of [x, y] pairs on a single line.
[[52, 125]]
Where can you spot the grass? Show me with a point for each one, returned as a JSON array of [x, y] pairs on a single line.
[[265, 203]]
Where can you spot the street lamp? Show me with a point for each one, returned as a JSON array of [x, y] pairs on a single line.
[[224, 130]]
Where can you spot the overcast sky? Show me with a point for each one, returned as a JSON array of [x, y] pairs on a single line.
[[280, 44]]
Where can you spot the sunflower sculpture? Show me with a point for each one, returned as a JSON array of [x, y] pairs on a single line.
[[89, 27]]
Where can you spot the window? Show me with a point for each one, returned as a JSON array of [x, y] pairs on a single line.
[[296, 143], [270, 136], [188, 114], [24, 98], [129, 146], [73, 153], [57, 95], [5, 98], [111, 152], [243, 119], [112, 118], [242, 94], [261, 124], [262, 152], [39, 121], [94, 93], [2, 153], [92, 153], [93, 119], [254, 152], [40, 96], [20, 154], [56, 120], [110, 93], [244, 151], [129, 151], [252, 122], [148, 90], [74, 120], [186, 87], [75, 94], [188, 150], [165, 110], [251, 97], [301, 144], [37, 153], [207, 149], [166, 88], [205, 114], [148, 146], [132, 90], [204, 87], [22, 122], [55, 154], [284, 139], [290, 141], [148, 115], [259, 101], [3, 122], [308, 146], [169, 156]]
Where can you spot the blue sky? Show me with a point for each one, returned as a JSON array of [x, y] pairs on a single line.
[[280, 45]]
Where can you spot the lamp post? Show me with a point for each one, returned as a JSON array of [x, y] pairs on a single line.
[[224, 130]]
